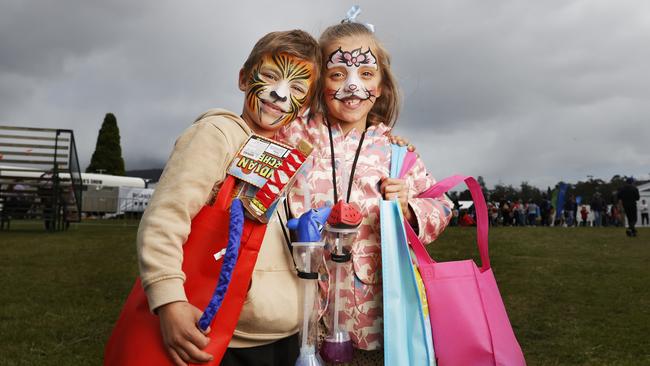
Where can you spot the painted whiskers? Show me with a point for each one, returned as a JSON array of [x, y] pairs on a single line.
[[273, 81]]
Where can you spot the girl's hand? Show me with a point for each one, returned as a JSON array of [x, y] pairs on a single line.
[[182, 338], [392, 188], [401, 141]]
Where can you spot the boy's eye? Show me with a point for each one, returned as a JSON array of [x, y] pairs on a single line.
[[269, 75], [298, 89]]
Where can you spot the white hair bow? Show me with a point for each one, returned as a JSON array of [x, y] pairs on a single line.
[[351, 17]]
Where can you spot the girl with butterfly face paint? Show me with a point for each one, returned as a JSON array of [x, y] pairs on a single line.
[[352, 82], [358, 105]]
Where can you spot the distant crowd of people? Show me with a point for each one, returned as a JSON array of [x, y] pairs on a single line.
[[543, 212]]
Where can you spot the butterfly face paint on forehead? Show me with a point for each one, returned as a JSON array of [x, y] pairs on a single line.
[[356, 64], [278, 87]]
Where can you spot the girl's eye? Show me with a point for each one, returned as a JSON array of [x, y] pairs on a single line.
[[367, 74], [336, 75]]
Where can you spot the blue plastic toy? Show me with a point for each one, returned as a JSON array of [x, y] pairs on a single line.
[[309, 225]]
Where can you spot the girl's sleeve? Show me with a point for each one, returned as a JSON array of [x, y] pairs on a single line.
[[432, 214], [290, 134], [293, 132], [310, 129]]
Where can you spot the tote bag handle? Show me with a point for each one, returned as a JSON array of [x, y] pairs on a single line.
[[438, 190], [224, 195]]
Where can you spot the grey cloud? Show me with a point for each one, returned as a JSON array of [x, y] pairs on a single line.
[[510, 90]]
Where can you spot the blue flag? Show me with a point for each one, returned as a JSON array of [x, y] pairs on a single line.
[[561, 196]]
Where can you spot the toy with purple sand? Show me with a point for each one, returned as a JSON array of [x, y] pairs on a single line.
[[308, 256], [339, 233]]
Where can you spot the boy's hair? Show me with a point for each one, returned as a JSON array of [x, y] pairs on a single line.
[[387, 106], [296, 43]]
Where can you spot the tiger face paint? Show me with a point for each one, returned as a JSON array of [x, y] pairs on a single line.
[[278, 89]]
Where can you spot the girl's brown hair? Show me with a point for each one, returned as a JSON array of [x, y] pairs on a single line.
[[386, 107]]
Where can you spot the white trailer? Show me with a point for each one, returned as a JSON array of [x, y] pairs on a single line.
[[102, 193]]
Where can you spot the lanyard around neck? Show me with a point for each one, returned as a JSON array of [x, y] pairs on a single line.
[[354, 163]]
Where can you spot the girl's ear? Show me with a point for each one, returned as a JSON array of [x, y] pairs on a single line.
[[243, 83]]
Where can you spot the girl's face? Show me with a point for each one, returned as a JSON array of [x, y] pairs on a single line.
[[352, 80]]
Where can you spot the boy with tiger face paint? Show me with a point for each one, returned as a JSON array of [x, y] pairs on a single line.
[[279, 80], [277, 90]]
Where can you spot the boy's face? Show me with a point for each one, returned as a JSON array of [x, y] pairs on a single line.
[[278, 89], [352, 79]]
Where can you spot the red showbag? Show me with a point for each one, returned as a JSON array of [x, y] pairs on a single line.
[[136, 339]]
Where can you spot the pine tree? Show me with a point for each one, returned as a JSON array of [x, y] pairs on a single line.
[[107, 157]]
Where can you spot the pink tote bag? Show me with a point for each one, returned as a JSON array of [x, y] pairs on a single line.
[[468, 319]]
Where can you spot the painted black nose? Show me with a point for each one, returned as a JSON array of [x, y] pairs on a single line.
[[275, 96]]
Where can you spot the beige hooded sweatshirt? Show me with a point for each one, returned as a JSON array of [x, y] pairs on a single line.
[[193, 173]]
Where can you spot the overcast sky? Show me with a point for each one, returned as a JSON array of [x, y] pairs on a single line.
[[510, 90]]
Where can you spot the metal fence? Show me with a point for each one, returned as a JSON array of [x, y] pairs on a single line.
[[40, 177]]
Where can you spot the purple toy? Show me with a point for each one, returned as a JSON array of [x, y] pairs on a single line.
[[337, 345]]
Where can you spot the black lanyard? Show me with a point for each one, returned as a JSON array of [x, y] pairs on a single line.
[[284, 230], [354, 164], [300, 274]]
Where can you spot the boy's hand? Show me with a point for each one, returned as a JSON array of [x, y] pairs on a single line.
[[401, 141], [393, 188], [182, 338]]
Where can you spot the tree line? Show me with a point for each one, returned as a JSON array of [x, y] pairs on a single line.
[[107, 159], [525, 192]]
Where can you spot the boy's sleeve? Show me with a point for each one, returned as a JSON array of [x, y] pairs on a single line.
[[197, 162], [432, 214]]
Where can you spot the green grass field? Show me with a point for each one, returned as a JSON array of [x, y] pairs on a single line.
[[575, 296]]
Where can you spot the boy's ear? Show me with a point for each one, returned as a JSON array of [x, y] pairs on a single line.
[[243, 83]]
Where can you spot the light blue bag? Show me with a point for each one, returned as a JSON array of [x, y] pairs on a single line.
[[407, 331]]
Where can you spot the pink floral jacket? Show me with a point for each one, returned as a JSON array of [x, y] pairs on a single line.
[[362, 289]]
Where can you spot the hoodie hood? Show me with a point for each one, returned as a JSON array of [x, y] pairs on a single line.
[[219, 112]]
